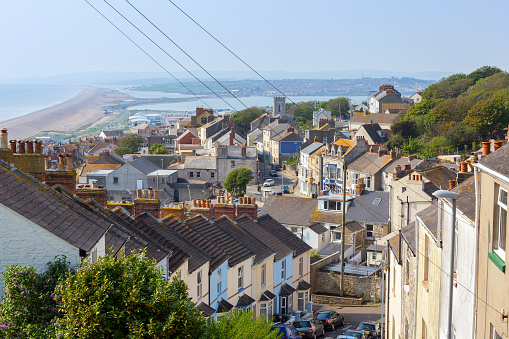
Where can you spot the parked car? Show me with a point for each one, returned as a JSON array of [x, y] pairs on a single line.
[[330, 319], [354, 334], [287, 331], [298, 315], [273, 173], [277, 193], [268, 182], [275, 167], [371, 330], [285, 189], [309, 328], [278, 318], [344, 336]]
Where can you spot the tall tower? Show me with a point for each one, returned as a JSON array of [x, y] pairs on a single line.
[[278, 105]]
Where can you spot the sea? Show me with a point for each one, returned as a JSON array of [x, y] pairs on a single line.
[[20, 99]]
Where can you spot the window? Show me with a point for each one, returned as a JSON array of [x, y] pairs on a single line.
[[162, 180], [407, 271], [368, 182], [233, 163], [424, 330], [355, 178], [191, 175], [377, 201], [301, 267], [426, 257], [263, 275], [153, 180], [115, 180], [500, 224], [198, 280], [302, 300], [337, 236], [198, 174], [369, 231], [218, 282], [283, 269], [212, 175], [323, 237], [266, 308], [403, 189], [495, 333], [241, 277]]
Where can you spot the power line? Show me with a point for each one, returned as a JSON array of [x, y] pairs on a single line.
[[146, 53], [165, 52], [229, 50]]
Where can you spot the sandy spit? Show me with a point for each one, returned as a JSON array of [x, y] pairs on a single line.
[[86, 107]]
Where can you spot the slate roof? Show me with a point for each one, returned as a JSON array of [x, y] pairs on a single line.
[[429, 218], [244, 301], [370, 163], [333, 247], [235, 249], [290, 210], [276, 245], [260, 250], [354, 226], [178, 256], [206, 309], [286, 289], [466, 199], [200, 162], [218, 256], [318, 228], [198, 257], [408, 238], [372, 132], [402, 162], [51, 210], [376, 118], [224, 306], [282, 233], [303, 285], [144, 165], [312, 148], [267, 295], [439, 176], [498, 161], [289, 136]]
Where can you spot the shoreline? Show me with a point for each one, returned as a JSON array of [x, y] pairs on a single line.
[[84, 108]]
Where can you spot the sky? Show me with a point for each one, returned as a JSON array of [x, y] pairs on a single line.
[[52, 37]]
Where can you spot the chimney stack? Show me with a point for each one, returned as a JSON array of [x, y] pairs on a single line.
[[38, 146], [69, 162], [30, 146], [4, 141], [61, 161]]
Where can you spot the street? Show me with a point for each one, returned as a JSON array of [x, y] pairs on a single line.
[[282, 178], [354, 316]]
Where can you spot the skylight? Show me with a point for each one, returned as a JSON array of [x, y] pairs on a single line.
[[377, 201]]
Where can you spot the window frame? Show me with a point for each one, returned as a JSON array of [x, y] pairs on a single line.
[[115, 180], [501, 222], [263, 275], [199, 285], [219, 281], [240, 277], [283, 270], [301, 267]]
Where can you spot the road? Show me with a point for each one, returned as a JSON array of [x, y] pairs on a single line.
[[353, 317], [282, 178]]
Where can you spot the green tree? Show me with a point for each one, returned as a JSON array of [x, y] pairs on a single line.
[[157, 149], [412, 146], [28, 308], [240, 325], [483, 72], [129, 145], [302, 112], [126, 298], [237, 180], [337, 107], [245, 117], [490, 114]]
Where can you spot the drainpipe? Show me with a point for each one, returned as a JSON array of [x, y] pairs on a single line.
[[407, 212], [388, 278], [476, 264]]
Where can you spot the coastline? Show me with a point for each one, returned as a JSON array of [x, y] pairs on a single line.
[[85, 107]]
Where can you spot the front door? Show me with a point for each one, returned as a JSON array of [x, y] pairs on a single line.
[[284, 306]]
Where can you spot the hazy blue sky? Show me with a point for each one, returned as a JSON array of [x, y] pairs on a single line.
[[66, 36]]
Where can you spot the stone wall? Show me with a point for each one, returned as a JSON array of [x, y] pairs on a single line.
[[314, 267], [354, 285], [335, 300]]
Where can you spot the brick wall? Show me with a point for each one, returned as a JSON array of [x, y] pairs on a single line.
[[177, 212], [31, 163], [152, 206], [98, 194], [65, 178], [6, 154]]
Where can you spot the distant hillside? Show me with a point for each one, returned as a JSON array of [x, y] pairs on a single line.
[[456, 113], [295, 87]]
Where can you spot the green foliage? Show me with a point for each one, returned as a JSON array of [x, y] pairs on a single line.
[[483, 72], [293, 160], [413, 146], [129, 145], [126, 298], [157, 149], [237, 180], [28, 309], [406, 128], [302, 112], [240, 325], [245, 117], [449, 87], [423, 107], [490, 114], [337, 106]]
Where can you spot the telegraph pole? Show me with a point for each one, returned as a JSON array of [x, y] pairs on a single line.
[[343, 210]]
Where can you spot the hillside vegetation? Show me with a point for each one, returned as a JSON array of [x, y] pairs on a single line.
[[456, 113]]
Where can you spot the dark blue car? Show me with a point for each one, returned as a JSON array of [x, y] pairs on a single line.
[[288, 331]]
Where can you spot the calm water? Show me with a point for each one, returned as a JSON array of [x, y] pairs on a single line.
[[17, 100], [217, 103]]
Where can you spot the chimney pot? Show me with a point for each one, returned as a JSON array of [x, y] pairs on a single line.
[[486, 147], [452, 184], [30, 146], [21, 146], [138, 193], [13, 145], [464, 166], [156, 194], [69, 162], [4, 139], [38, 146], [61, 161], [497, 144]]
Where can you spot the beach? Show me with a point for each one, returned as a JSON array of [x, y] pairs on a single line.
[[86, 107]]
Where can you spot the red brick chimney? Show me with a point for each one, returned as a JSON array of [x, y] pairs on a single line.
[[247, 206], [232, 136], [360, 187], [99, 194], [21, 146]]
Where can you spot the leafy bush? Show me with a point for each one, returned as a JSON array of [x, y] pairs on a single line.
[[237, 180], [240, 325], [28, 309]]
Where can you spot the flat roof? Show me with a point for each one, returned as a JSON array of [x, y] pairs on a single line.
[[163, 172], [351, 269]]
